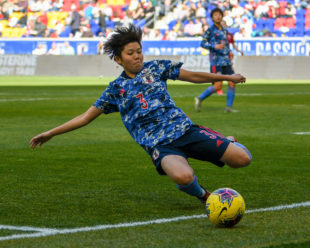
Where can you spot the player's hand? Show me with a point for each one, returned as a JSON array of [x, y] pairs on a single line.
[[237, 78], [40, 139], [219, 46]]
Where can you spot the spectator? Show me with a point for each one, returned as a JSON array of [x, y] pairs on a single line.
[[43, 17], [39, 50], [102, 22], [100, 48], [34, 5], [290, 11], [22, 6], [38, 29], [57, 5], [189, 28], [228, 19], [67, 49], [138, 13], [75, 20], [54, 50], [261, 10], [59, 27], [200, 11], [149, 14], [191, 13], [157, 35], [22, 22], [172, 35], [241, 34]]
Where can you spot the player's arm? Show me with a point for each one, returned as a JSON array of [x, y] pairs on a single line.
[[209, 42], [237, 49], [204, 77], [77, 122]]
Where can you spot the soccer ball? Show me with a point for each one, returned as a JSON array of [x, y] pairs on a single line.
[[225, 207]]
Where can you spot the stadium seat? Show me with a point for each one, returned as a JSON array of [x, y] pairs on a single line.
[[141, 23], [172, 24], [279, 22], [300, 32], [290, 22], [94, 27], [66, 32]]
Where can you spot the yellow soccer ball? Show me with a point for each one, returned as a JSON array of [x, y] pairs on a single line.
[[225, 207]]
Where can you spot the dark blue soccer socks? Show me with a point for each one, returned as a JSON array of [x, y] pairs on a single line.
[[193, 188], [230, 96], [209, 91]]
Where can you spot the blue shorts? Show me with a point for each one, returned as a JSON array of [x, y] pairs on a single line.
[[224, 70], [198, 142]]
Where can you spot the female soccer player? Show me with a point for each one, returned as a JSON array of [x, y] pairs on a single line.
[[151, 116], [215, 40]]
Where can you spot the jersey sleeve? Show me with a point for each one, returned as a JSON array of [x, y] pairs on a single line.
[[107, 101], [169, 69], [207, 42]]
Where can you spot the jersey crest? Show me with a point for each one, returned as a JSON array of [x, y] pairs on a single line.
[[148, 79]]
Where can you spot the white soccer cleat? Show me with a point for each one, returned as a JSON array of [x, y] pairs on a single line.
[[230, 110], [197, 104]]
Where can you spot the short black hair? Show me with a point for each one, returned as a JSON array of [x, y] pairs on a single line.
[[217, 10], [120, 37]]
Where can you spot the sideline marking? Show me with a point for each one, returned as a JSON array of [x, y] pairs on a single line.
[[302, 133], [43, 232]]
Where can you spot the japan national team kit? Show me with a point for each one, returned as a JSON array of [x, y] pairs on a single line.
[[151, 116]]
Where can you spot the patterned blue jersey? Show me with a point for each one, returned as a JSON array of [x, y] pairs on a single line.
[[146, 108], [212, 37]]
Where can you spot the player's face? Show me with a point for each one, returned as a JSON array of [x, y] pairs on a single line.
[[217, 17], [131, 59]]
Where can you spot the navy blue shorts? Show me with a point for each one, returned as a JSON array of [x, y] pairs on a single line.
[[224, 70], [198, 142]]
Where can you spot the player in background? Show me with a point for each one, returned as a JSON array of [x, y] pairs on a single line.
[[215, 39], [150, 115], [232, 44]]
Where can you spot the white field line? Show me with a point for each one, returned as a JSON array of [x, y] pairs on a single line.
[[25, 99], [302, 133], [43, 232]]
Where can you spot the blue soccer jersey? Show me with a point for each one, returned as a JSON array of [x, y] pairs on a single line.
[[146, 108], [212, 37]]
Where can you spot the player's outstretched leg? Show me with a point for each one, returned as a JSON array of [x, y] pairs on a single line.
[[178, 169], [236, 155]]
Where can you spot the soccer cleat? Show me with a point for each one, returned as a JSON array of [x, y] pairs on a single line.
[[197, 104], [219, 92], [205, 197], [230, 110]]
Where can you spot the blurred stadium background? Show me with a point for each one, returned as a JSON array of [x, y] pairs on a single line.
[[171, 27], [274, 35]]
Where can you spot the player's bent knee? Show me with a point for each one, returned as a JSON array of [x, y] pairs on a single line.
[[184, 177], [243, 160], [237, 156]]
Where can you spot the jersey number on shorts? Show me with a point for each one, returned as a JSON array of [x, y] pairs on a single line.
[[142, 100], [212, 136]]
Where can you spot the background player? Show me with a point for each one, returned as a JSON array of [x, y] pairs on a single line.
[[150, 115], [215, 39]]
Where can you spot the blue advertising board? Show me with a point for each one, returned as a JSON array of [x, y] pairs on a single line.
[[254, 47]]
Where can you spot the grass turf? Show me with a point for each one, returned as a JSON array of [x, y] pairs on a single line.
[[99, 175]]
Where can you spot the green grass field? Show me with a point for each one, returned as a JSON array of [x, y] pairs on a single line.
[[99, 176]]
